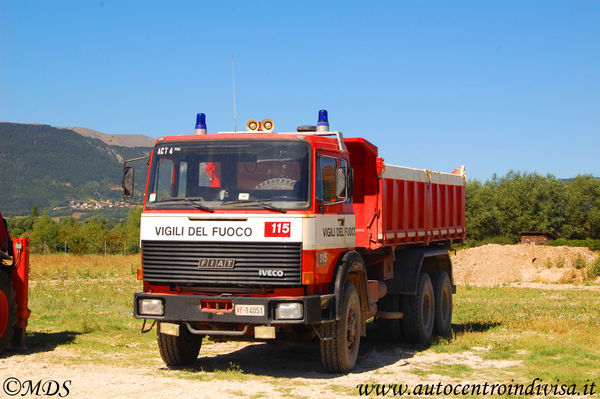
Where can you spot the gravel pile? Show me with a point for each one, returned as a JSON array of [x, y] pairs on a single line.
[[494, 264]]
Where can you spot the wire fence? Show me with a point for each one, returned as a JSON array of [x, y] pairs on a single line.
[[103, 248]]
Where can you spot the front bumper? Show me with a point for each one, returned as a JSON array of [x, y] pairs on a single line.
[[189, 308]]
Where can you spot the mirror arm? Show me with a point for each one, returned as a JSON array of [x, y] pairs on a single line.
[[134, 159]]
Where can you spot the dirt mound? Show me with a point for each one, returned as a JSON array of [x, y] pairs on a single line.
[[498, 264]]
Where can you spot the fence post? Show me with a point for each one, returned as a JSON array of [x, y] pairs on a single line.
[[65, 247], [105, 248], [124, 247], [44, 247]]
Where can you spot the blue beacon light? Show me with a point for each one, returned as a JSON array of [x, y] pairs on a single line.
[[323, 123], [200, 123]]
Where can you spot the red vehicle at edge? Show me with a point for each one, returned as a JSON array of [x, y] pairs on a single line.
[[14, 283]]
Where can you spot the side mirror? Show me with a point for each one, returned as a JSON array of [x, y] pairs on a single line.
[[341, 183], [350, 183], [128, 181]]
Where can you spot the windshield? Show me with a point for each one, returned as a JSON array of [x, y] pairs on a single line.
[[232, 174]]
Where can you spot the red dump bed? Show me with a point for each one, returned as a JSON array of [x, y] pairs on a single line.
[[396, 205]]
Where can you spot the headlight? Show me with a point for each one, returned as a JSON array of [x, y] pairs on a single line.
[[289, 311], [151, 307]]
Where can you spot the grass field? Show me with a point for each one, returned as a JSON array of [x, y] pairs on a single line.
[[554, 333], [84, 304]]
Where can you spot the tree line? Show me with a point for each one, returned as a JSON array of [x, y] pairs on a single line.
[[502, 207], [96, 235]]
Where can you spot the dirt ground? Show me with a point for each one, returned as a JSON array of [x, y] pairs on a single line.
[[273, 371], [494, 264], [272, 376]]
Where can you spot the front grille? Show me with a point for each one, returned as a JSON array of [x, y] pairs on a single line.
[[171, 262]]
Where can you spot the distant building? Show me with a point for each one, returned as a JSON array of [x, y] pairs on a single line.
[[535, 237]]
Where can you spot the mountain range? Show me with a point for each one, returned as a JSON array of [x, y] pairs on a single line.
[[49, 167], [122, 140]]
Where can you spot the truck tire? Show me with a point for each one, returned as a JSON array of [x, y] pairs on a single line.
[[419, 312], [339, 348], [7, 310], [442, 289], [391, 328], [181, 350]]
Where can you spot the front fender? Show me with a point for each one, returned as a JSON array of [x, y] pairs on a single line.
[[350, 262]]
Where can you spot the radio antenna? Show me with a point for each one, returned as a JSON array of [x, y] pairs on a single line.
[[234, 110]]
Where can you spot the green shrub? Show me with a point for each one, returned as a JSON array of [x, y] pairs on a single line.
[[560, 262], [594, 245], [471, 243], [579, 262], [594, 269]]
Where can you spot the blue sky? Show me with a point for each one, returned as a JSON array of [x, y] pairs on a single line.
[[494, 85]]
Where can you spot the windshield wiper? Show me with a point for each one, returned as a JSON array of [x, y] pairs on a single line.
[[264, 203], [192, 201]]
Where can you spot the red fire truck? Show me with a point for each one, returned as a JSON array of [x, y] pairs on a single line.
[[258, 235], [14, 287]]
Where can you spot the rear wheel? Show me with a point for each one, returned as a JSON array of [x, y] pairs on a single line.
[[181, 350], [390, 328], [442, 289], [339, 349], [7, 310], [419, 312]]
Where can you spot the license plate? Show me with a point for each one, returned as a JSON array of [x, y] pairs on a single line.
[[249, 310]]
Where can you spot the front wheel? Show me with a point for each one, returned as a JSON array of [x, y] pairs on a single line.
[[181, 350], [341, 339]]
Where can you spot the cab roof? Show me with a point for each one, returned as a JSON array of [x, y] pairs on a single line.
[[323, 142]]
